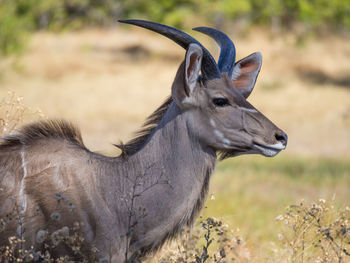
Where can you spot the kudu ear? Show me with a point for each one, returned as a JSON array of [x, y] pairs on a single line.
[[193, 63], [245, 73], [187, 75]]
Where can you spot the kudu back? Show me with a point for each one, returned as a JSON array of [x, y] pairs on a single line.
[[131, 204]]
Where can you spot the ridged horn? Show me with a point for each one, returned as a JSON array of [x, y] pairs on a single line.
[[209, 68], [228, 51]]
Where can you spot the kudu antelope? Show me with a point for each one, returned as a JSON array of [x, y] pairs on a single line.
[[131, 204]]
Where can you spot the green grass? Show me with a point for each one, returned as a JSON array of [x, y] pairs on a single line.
[[251, 191]]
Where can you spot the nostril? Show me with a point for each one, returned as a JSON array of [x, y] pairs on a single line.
[[281, 137]]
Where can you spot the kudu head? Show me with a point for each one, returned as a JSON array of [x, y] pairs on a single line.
[[215, 95]]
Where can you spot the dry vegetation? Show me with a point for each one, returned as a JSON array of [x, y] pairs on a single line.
[[318, 232], [13, 112], [315, 233], [108, 82]]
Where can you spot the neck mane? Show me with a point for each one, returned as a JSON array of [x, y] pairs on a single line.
[[146, 130]]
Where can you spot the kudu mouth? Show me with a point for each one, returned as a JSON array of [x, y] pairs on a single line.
[[269, 150]]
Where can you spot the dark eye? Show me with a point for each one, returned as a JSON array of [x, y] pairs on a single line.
[[221, 102]]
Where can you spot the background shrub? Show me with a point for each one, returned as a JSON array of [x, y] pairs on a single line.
[[18, 17]]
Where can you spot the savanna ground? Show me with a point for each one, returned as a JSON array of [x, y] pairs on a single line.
[[108, 81]]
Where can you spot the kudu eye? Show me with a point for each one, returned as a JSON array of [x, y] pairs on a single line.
[[221, 102]]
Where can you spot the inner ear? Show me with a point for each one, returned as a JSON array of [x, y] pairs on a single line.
[[245, 73], [193, 63]]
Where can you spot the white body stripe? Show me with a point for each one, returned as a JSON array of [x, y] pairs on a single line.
[[226, 142], [21, 191], [219, 133], [248, 110]]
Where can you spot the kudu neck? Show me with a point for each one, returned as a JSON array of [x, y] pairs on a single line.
[[173, 143], [175, 171], [163, 185]]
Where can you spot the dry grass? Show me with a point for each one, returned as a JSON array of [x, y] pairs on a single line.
[[309, 232], [18, 249], [317, 232], [210, 241], [13, 112]]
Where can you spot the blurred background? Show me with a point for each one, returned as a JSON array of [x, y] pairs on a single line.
[[71, 59]]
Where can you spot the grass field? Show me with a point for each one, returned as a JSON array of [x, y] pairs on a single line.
[[250, 192], [108, 81]]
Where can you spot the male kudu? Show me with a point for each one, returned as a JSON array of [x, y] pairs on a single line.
[[131, 204]]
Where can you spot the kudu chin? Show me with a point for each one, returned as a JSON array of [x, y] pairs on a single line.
[[131, 204]]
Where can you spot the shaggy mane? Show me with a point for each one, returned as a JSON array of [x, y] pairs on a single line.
[[57, 129], [142, 135], [62, 129]]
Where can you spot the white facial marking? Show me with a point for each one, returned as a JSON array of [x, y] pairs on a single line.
[[188, 101], [277, 146], [226, 142], [248, 110], [212, 123], [219, 134], [266, 151], [21, 191], [271, 149]]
